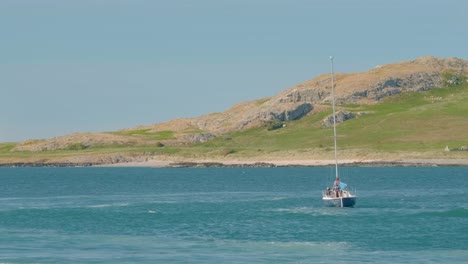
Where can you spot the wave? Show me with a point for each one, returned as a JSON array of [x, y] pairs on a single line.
[[271, 245], [296, 245], [314, 211], [109, 205]]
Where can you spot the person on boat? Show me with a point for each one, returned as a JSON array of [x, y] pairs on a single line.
[[336, 187]]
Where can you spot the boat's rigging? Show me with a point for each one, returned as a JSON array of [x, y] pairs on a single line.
[[334, 116], [339, 196]]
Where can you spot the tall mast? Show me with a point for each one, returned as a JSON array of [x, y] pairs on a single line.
[[334, 118]]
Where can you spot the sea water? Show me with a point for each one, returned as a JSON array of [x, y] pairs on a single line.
[[232, 215]]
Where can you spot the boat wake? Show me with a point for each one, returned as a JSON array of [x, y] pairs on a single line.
[[313, 211], [109, 205]]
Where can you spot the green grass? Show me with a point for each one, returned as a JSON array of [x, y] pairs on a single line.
[[403, 123], [146, 134], [413, 122], [6, 147]]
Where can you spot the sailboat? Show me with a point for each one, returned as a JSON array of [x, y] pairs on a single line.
[[338, 195]]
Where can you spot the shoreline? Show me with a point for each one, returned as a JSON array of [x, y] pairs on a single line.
[[253, 163], [292, 163]]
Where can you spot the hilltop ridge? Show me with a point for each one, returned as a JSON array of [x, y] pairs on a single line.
[[297, 101]]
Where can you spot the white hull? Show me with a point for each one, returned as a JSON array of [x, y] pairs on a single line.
[[340, 201], [342, 198]]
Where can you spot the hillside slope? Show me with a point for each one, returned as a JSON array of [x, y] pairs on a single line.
[[392, 117]]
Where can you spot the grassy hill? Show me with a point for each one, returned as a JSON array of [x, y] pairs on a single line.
[[414, 124], [408, 125]]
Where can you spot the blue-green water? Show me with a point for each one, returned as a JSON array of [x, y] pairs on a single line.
[[231, 215]]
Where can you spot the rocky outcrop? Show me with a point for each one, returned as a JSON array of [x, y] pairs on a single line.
[[281, 112], [198, 137], [241, 116], [340, 117], [418, 81], [369, 87]]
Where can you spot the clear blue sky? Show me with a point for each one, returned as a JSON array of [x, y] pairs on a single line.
[[100, 65]]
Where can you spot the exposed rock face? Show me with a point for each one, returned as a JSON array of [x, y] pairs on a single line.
[[282, 112], [198, 137], [418, 81], [241, 116], [340, 117], [307, 95]]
